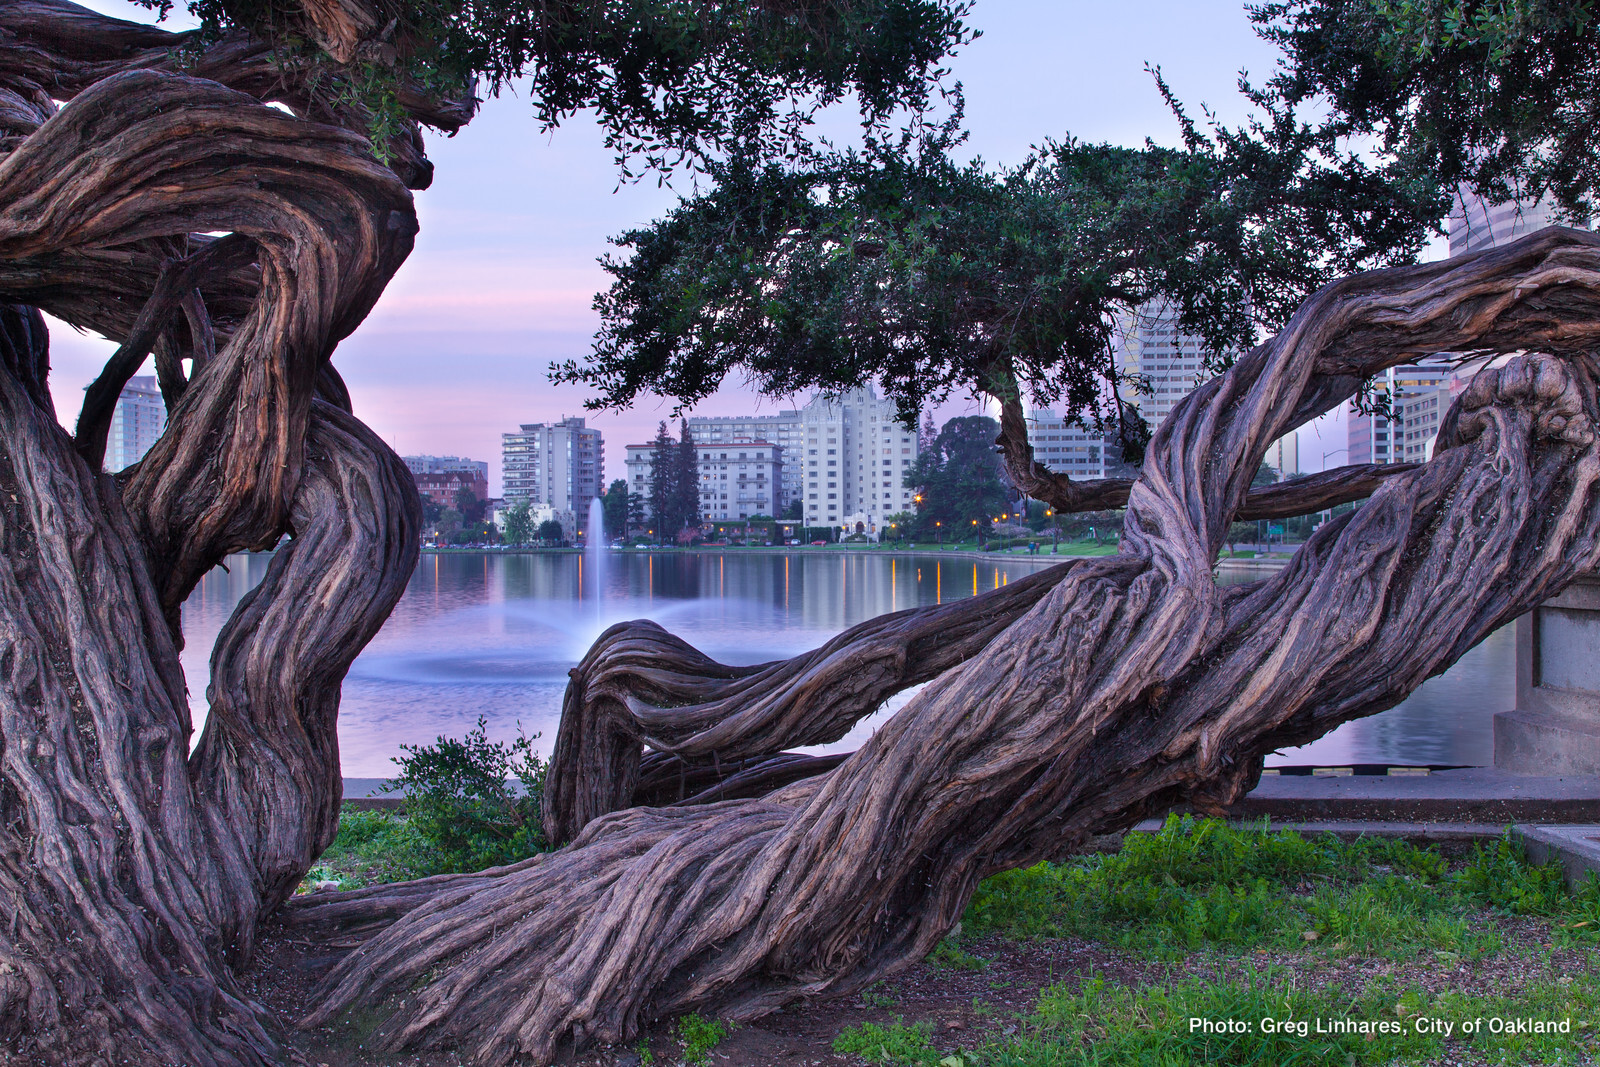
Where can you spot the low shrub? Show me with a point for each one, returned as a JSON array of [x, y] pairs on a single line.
[[461, 805]]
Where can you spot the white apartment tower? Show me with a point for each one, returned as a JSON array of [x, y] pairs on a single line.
[[1149, 343], [136, 422], [856, 456], [558, 465]]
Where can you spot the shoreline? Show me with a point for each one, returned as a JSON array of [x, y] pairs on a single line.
[[1042, 558]]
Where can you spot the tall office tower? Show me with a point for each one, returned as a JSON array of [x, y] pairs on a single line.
[[855, 459], [1065, 447], [558, 465], [1376, 439], [447, 465], [1474, 223], [1421, 395], [1149, 343], [782, 429], [136, 422]]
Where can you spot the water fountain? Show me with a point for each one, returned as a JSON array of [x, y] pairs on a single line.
[[594, 548]]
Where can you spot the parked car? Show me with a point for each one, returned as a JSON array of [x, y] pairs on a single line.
[[819, 542]]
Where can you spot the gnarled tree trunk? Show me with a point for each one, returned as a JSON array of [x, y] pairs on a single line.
[[134, 874], [708, 868], [1102, 691]]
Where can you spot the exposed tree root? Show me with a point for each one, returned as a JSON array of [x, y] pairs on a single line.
[[1134, 682]]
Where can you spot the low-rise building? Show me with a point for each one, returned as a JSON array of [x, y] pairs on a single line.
[[442, 488]]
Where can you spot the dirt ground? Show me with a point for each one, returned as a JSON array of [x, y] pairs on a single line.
[[1002, 979], [962, 1004]]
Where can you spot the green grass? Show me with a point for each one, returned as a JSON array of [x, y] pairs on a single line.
[[1203, 884], [371, 847], [1258, 1019], [895, 1043], [1262, 1018], [1204, 892]]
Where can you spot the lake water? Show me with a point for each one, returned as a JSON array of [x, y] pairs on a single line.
[[494, 635]]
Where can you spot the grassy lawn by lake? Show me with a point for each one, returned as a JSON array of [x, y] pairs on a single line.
[[1203, 943]]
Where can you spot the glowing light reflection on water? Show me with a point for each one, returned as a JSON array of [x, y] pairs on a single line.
[[494, 635]]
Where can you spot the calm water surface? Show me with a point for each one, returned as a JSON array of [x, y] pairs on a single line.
[[494, 635]]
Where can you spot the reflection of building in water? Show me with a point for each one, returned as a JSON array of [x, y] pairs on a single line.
[[136, 422]]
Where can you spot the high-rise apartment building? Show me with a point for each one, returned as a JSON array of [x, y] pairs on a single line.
[[856, 456], [738, 479], [447, 465], [1474, 223], [1150, 344], [136, 422], [1065, 447], [558, 465], [782, 429], [1420, 395], [1377, 439]]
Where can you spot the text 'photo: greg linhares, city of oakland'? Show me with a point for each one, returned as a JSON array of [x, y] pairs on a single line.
[[940, 533]]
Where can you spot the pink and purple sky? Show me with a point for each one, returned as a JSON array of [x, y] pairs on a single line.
[[504, 270]]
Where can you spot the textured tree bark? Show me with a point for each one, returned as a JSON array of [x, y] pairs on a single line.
[[708, 868], [135, 874], [1133, 683]]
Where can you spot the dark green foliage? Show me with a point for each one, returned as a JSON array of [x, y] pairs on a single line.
[[550, 532], [959, 478], [1499, 94], [899, 265], [616, 505], [686, 479], [461, 804], [669, 80], [674, 484]]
